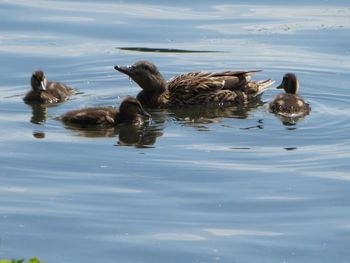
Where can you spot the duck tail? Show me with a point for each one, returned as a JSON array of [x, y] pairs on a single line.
[[252, 72], [248, 74], [263, 85]]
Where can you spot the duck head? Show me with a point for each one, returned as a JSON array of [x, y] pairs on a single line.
[[290, 83], [131, 109], [146, 75], [38, 81]]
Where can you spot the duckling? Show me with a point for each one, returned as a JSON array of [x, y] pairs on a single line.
[[44, 91], [289, 104], [129, 113], [228, 87]]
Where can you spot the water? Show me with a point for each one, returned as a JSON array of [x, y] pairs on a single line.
[[192, 185]]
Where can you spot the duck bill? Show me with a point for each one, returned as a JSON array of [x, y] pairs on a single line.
[[125, 70], [42, 86], [280, 87], [144, 113]]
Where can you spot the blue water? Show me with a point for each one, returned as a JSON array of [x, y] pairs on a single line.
[[192, 185]]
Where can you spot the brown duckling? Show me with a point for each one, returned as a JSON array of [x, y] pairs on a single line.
[[130, 112], [289, 104], [228, 87], [44, 91]]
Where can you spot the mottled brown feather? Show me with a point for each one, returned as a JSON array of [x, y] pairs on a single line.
[[227, 87], [55, 91], [129, 112], [289, 103]]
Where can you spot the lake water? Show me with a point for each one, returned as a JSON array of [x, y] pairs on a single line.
[[192, 185]]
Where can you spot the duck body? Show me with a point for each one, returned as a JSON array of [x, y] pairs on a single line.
[[104, 116], [196, 88], [130, 112], [289, 104], [44, 91]]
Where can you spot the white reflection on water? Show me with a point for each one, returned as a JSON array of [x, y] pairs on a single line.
[[330, 175], [133, 10], [54, 45], [307, 17], [13, 189], [279, 198], [67, 19], [327, 154], [126, 190], [231, 166], [240, 232], [286, 20], [178, 236]]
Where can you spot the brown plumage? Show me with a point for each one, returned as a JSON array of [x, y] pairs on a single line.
[[289, 104], [44, 91], [130, 112], [228, 87]]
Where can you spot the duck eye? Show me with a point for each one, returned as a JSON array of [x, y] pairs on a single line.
[[35, 77]]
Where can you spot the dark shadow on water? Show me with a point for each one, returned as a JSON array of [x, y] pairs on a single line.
[[138, 136], [39, 111], [145, 136], [240, 148], [198, 116], [291, 148], [259, 125], [39, 134], [290, 121], [166, 50]]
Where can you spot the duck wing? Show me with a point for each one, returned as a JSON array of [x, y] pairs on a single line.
[[91, 116], [60, 90], [203, 82]]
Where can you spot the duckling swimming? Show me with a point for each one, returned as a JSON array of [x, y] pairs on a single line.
[[289, 104], [228, 87], [130, 112], [44, 91]]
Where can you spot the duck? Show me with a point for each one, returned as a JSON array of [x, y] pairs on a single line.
[[130, 112], [196, 88], [289, 104], [44, 91]]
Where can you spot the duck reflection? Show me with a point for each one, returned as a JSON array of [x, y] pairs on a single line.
[[141, 136], [39, 113], [289, 107], [259, 125], [290, 121], [39, 134], [198, 117]]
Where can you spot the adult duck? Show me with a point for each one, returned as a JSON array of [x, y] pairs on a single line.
[[130, 112], [44, 91], [289, 104], [228, 87]]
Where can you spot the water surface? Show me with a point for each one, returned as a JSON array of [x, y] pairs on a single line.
[[233, 184]]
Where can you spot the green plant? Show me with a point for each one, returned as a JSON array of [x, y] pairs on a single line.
[[32, 260]]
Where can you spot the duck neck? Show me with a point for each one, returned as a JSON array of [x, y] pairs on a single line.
[[124, 117], [154, 95], [293, 86], [153, 100]]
